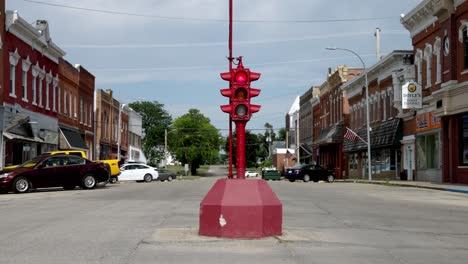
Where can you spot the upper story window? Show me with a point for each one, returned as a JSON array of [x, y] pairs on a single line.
[[418, 61], [428, 58], [14, 59], [390, 103], [463, 38], [26, 64]]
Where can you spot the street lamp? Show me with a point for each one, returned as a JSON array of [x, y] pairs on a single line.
[[119, 131], [369, 159]]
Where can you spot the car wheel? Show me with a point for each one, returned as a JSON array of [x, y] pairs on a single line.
[[89, 181], [69, 187], [306, 178], [330, 178], [292, 180], [148, 178], [21, 185], [113, 179], [256, 175], [169, 178]]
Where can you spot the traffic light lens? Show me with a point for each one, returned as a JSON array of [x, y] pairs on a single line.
[[241, 77], [241, 110], [240, 94]]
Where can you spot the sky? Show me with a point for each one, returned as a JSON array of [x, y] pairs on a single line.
[[172, 51]]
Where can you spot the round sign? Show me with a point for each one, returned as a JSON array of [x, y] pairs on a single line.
[[412, 88]]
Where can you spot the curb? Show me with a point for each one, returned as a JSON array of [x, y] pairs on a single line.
[[457, 190]]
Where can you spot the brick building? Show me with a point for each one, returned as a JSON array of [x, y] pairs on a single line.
[[28, 111], [329, 116], [439, 32], [108, 112], [75, 108], [385, 79]]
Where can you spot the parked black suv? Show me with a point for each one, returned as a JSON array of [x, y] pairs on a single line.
[[307, 172]]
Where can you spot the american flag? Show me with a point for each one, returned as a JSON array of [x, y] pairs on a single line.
[[349, 134]]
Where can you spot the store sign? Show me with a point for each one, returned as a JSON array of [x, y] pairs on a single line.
[[411, 97], [427, 121]]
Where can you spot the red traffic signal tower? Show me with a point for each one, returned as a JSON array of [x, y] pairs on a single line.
[[240, 208], [240, 93]]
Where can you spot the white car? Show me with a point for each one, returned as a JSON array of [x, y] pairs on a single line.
[[138, 172], [249, 174]]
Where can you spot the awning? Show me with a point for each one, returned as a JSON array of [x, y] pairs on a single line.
[[73, 139], [331, 134], [382, 135], [12, 136]]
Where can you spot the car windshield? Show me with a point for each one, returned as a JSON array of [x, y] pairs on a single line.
[[31, 163]]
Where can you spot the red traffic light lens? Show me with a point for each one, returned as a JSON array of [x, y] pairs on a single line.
[[241, 77], [240, 94], [241, 110]]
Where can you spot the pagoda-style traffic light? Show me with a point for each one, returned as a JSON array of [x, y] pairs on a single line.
[[240, 93]]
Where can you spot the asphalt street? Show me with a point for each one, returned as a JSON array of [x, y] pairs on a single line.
[[157, 222]]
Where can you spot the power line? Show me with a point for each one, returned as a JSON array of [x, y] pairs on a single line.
[[223, 43], [217, 67], [208, 19]]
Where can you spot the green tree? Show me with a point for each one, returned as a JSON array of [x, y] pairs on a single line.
[[194, 140], [282, 134], [252, 149], [155, 120]]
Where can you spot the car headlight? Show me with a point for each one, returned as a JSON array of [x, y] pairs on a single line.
[[4, 175]]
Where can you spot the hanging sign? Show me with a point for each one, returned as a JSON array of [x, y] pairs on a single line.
[[411, 96]]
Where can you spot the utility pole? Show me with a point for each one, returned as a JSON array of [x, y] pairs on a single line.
[[165, 146]]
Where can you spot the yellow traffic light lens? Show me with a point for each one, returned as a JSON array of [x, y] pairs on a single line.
[[241, 77], [241, 110], [240, 94]]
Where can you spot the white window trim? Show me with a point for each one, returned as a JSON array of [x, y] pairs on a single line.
[[438, 54], [35, 73], [14, 59], [390, 102], [59, 97], [41, 86], [428, 59], [384, 107], [25, 65], [463, 26], [418, 62], [54, 93], [65, 106], [47, 93]]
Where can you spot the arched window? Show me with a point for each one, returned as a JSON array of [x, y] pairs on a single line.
[[418, 62], [437, 53], [428, 59]]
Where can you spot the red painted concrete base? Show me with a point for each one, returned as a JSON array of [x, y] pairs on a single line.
[[239, 208]]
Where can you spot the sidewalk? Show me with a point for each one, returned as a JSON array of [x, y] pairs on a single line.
[[460, 188]]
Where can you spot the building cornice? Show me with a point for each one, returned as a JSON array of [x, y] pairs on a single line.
[[30, 35], [380, 71]]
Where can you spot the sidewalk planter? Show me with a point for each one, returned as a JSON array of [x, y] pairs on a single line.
[[271, 175]]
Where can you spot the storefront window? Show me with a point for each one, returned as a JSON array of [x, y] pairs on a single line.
[[464, 143], [353, 164], [381, 160], [428, 151]]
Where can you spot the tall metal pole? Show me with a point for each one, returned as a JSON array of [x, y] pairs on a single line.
[[230, 69], [240, 146], [369, 156]]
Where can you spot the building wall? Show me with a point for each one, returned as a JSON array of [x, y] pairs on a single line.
[[68, 91], [3, 51], [442, 74], [107, 113]]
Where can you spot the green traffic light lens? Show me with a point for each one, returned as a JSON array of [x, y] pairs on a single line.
[[241, 110]]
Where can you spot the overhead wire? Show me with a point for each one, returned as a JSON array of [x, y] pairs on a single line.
[[206, 19]]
